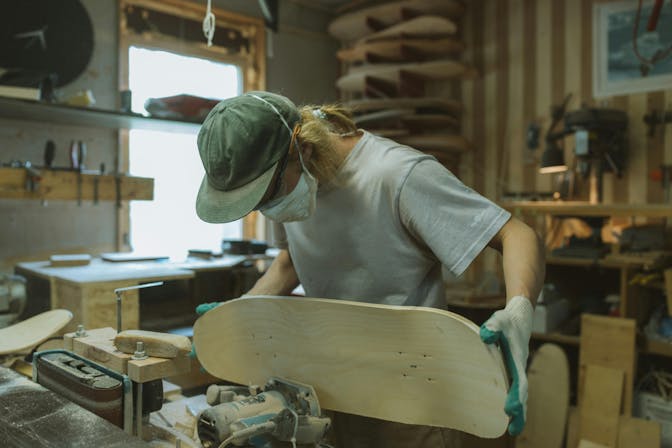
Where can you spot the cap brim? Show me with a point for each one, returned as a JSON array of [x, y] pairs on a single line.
[[217, 206]]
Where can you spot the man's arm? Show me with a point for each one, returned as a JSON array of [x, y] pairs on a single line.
[[524, 268], [523, 259], [279, 280]]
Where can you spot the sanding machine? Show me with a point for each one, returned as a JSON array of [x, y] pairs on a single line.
[[94, 371], [282, 411]]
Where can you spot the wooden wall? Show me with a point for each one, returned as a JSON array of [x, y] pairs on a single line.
[[530, 54]]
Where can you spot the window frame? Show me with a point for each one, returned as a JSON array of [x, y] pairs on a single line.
[[253, 69]]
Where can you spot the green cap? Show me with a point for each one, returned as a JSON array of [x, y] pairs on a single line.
[[241, 142]]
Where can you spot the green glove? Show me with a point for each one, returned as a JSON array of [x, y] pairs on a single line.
[[205, 307], [511, 328]]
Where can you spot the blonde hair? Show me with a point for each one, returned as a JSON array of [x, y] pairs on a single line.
[[320, 127]]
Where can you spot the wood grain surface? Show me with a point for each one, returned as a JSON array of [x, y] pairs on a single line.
[[25, 335], [356, 79], [423, 26], [406, 364], [548, 399], [400, 50], [356, 24]]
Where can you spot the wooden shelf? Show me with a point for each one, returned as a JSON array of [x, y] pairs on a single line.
[[587, 209], [73, 185], [557, 338], [655, 347], [12, 108], [589, 262]]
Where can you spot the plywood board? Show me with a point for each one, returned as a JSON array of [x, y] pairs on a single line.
[[637, 433], [357, 24], [358, 77], [400, 50], [548, 399], [601, 405], [437, 142], [608, 342], [406, 364], [23, 336], [423, 27]]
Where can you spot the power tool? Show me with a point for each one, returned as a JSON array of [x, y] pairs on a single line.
[[282, 411]]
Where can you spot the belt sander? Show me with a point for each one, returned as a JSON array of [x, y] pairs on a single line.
[[106, 393]]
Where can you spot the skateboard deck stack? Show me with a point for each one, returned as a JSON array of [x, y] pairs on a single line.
[[395, 57]]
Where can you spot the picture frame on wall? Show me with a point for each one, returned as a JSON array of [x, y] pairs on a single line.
[[616, 68]]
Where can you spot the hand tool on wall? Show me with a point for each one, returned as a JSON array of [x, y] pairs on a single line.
[[49, 153], [33, 177], [77, 156], [96, 182]]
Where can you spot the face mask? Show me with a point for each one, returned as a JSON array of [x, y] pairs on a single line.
[[298, 205]]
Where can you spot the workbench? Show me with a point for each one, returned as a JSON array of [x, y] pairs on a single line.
[[88, 290], [33, 416]]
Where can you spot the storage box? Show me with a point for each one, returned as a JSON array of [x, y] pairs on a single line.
[[548, 316], [656, 408]]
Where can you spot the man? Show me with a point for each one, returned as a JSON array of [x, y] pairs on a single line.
[[361, 217]]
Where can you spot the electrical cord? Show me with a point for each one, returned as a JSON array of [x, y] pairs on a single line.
[[248, 432]]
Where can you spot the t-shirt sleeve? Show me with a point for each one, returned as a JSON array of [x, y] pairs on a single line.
[[453, 220], [278, 235]]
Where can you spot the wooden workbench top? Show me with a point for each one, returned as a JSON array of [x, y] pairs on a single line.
[[102, 271], [105, 271], [37, 417]]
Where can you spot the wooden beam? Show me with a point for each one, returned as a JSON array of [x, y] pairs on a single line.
[[52, 184]]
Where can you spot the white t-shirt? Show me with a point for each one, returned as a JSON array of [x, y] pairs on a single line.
[[382, 231]]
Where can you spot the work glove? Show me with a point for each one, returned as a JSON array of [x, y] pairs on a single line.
[[511, 328], [205, 307]]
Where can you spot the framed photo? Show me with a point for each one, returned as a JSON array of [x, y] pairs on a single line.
[[616, 68]]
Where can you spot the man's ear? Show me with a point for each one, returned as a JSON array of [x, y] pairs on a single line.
[[306, 152]]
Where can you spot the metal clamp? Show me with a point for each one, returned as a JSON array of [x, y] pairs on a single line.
[[119, 292]]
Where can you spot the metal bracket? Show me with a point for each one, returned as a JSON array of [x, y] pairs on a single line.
[[118, 292]]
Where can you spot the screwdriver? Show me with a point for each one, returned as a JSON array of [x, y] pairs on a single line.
[[49, 152]]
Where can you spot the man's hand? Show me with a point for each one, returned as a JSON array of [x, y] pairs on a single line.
[[511, 327]]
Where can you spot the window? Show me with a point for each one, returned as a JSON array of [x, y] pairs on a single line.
[[168, 225]]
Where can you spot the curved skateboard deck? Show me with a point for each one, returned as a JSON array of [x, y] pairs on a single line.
[[357, 24], [424, 26], [31, 332], [405, 364], [436, 142], [419, 103], [400, 50], [357, 78], [548, 399]]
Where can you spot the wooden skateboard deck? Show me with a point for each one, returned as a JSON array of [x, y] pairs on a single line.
[[405, 364], [357, 78], [400, 50], [420, 104], [29, 333], [548, 399], [436, 142], [425, 26], [356, 24]]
